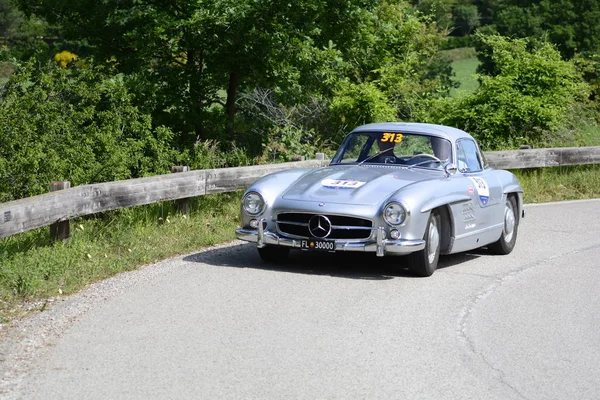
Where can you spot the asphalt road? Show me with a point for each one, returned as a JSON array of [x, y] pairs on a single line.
[[220, 324]]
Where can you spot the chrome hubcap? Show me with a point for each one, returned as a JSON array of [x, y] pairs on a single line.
[[509, 222], [433, 241]]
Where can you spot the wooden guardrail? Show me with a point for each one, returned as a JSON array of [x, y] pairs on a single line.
[[549, 157], [58, 206], [62, 205]]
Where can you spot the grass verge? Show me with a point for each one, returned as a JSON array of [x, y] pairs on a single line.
[[32, 269], [542, 185]]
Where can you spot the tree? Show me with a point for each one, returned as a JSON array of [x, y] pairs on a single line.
[[466, 19], [570, 24], [22, 36], [439, 10], [10, 18], [387, 68], [193, 56], [395, 67]]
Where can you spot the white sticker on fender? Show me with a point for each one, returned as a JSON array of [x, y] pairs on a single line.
[[483, 190], [342, 183]]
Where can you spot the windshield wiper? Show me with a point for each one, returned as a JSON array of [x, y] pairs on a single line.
[[425, 162], [373, 156]]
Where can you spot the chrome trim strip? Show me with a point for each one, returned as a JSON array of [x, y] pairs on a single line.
[[280, 229], [479, 232], [380, 250], [345, 227], [278, 213], [380, 246], [352, 228], [260, 239], [303, 224]]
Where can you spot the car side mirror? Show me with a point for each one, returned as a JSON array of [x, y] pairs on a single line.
[[450, 169]]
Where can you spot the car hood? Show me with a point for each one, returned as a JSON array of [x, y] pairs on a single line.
[[359, 185]]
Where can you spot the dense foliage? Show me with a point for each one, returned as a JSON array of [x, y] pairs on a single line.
[[531, 94], [571, 24], [195, 55], [193, 59], [109, 89], [74, 124]]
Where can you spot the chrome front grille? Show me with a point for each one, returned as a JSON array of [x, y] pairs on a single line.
[[342, 227]]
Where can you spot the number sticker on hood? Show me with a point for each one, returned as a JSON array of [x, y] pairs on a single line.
[[342, 183]]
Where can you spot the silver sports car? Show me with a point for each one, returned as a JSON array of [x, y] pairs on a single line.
[[411, 189]]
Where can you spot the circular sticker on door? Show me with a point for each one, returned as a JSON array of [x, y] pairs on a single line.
[[482, 188]]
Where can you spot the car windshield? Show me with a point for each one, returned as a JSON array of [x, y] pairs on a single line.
[[408, 149]]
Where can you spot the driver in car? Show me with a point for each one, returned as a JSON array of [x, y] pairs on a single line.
[[386, 150]]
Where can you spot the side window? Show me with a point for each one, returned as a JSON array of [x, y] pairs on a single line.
[[482, 157], [461, 158], [468, 156]]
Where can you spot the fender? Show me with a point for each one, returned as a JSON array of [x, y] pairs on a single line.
[[444, 200]]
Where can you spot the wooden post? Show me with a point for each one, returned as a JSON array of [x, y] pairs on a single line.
[[182, 206], [60, 230]]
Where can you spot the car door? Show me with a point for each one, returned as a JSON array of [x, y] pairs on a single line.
[[483, 186]]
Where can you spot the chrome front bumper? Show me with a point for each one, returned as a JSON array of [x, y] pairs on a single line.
[[380, 246]]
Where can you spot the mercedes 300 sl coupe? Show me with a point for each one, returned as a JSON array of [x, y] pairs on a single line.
[[394, 189]]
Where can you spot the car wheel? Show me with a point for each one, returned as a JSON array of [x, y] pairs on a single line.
[[508, 238], [424, 262], [273, 254]]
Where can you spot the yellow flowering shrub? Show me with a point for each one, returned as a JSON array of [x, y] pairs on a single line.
[[64, 58]]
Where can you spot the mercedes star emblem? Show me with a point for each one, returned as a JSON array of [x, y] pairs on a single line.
[[319, 226]]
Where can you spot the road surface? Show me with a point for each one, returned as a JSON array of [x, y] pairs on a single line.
[[220, 324]]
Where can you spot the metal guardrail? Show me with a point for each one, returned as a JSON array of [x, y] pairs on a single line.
[[58, 207]]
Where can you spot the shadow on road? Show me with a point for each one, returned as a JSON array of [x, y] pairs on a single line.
[[342, 264]]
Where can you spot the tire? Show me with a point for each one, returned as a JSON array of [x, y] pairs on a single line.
[[274, 254], [508, 238], [423, 263]]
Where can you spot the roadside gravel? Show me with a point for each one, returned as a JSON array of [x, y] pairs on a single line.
[[24, 340]]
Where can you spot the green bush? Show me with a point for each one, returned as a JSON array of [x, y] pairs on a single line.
[[357, 104], [287, 142], [531, 95], [75, 124], [589, 66], [211, 154]]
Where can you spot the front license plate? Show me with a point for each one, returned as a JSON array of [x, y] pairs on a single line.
[[317, 245]]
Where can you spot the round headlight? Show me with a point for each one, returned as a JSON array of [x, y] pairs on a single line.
[[253, 203], [394, 214]]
